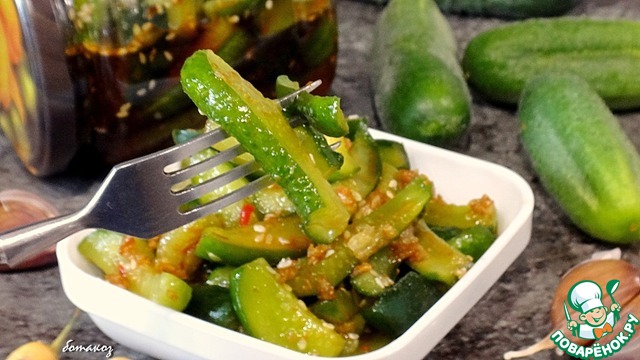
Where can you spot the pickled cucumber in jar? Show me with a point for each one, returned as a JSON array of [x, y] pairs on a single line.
[[124, 57]]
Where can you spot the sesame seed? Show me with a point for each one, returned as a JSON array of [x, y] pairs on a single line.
[[168, 56], [213, 257], [259, 228], [142, 57], [283, 241], [383, 282], [268, 4], [393, 184], [234, 19], [353, 336], [328, 325], [123, 112], [141, 92], [390, 194], [302, 344], [152, 84], [329, 253], [136, 29], [284, 263]]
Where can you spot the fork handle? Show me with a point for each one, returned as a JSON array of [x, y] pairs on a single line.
[[20, 244]]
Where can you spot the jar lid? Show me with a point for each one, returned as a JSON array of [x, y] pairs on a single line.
[[37, 102]]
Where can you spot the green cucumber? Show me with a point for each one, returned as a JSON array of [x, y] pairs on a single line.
[[128, 262], [323, 112], [327, 160], [367, 235], [582, 156], [366, 157], [236, 46], [473, 241], [220, 276], [388, 184], [342, 146], [606, 53], [260, 126], [340, 309], [312, 276], [272, 239], [230, 213], [381, 274], [437, 260], [175, 249], [509, 9], [212, 303], [419, 90], [268, 310], [402, 304], [377, 229], [231, 7], [393, 153], [477, 212], [273, 200]]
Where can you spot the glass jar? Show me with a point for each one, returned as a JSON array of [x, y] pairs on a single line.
[[36, 94], [124, 59]]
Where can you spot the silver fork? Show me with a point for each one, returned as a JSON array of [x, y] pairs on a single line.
[[143, 197]]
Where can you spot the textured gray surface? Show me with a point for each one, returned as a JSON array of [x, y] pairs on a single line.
[[513, 314]]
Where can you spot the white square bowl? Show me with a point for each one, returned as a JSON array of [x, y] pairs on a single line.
[[167, 334]]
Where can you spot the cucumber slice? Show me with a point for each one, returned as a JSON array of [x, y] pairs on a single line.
[[268, 310]]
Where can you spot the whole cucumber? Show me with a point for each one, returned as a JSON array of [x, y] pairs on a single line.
[[582, 156], [606, 53], [508, 9], [419, 91]]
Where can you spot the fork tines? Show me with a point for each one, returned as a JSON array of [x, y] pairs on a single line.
[[184, 190], [180, 176]]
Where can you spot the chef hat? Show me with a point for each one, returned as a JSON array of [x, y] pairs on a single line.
[[585, 295]]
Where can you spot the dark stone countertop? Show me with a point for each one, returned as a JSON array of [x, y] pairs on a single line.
[[514, 313]]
